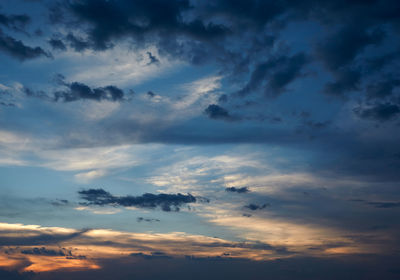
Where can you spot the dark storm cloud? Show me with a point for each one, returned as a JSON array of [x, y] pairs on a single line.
[[78, 91], [57, 44], [216, 112], [274, 75], [19, 50], [341, 48], [378, 112], [382, 89], [167, 202], [111, 20], [16, 22], [78, 44], [345, 80], [238, 35], [238, 190]]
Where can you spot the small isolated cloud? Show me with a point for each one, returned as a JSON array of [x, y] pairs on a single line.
[[238, 190], [254, 207], [149, 220], [216, 112], [167, 202]]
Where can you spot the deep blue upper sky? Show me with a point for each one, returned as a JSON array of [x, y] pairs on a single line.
[[246, 131]]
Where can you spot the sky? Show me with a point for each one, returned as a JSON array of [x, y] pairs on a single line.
[[188, 139]]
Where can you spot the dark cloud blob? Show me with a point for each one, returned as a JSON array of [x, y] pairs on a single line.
[[149, 220], [345, 80], [274, 75], [150, 94], [108, 21], [78, 91], [153, 59], [383, 89], [341, 48], [42, 251], [167, 202], [378, 112], [216, 112], [78, 44], [254, 207], [15, 22], [19, 50], [57, 44], [238, 190]]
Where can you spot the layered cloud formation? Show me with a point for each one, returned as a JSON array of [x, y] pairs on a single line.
[[250, 139]]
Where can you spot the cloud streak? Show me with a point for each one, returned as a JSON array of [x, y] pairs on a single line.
[[167, 202]]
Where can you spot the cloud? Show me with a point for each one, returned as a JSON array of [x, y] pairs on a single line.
[[384, 204], [19, 50], [378, 112], [152, 255], [153, 59], [238, 190], [167, 202], [57, 44], [254, 207], [382, 89], [76, 91], [15, 22], [86, 177], [216, 112], [274, 75], [42, 251], [78, 44], [79, 91], [90, 249], [39, 238], [341, 47], [149, 220]]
